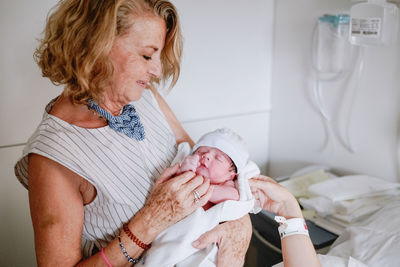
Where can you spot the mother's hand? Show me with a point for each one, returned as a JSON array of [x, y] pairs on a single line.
[[173, 199], [274, 197], [232, 238]]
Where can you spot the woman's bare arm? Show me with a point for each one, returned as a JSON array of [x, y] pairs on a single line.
[[57, 211], [56, 205]]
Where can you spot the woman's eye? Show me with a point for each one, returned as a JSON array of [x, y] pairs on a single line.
[[146, 57]]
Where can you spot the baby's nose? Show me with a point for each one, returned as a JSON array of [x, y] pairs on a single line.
[[204, 158]]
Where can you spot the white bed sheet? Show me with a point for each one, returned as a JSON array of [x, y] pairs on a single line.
[[373, 242]]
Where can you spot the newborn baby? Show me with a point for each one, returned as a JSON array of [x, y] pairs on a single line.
[[213, 164], [220, 156]]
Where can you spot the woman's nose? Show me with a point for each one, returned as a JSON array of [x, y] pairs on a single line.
[[155, 68]]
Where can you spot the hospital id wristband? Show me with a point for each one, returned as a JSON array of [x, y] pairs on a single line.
[[294, 226]]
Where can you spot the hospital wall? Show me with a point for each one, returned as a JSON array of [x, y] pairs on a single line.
[[225, 82], [297, 137]]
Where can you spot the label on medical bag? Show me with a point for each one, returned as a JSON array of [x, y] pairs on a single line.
[[370, 27]]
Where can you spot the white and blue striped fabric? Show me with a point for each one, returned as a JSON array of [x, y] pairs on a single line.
[[122, 169]]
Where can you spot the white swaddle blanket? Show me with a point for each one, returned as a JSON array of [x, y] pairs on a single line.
[[173, 247]]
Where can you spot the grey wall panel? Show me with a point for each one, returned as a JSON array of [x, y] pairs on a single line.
[[16, 233]]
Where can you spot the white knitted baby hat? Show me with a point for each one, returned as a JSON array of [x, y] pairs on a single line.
[[228, 142]]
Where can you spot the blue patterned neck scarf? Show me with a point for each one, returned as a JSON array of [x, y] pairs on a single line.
[[128, 122]]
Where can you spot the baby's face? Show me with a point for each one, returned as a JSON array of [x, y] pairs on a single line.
[[214, 165]]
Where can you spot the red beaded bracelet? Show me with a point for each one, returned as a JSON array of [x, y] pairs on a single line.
[[134, 238]]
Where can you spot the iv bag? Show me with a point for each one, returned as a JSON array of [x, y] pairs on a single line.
[[375, 22]]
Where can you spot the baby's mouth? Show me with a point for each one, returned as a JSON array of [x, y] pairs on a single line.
[[202, 170]]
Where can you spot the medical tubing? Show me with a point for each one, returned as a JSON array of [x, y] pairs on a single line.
[[327, 76], [316, 87], [318, 99], [360, 69], [333, 76]]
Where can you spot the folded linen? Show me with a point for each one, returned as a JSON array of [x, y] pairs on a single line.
[[351, 187]]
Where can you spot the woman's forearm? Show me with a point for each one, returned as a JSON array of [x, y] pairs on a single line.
[[113, 252], [298, 251]]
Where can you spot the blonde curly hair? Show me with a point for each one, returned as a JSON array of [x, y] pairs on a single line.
[[79, 35]]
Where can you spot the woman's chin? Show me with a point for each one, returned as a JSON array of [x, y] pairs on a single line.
[[135, 96]]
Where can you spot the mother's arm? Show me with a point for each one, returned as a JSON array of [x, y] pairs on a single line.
[[233, 237], [297, 250], [57, 197]]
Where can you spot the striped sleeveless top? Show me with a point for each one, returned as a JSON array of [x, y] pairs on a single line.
[[122, 169]]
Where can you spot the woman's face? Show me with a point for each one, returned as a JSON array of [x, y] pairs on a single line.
[[136, 59]]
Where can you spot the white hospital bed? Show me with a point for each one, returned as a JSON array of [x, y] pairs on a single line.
[[373, 239]]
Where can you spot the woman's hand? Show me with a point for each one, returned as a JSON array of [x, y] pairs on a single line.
[[273, 197], [172, 198], [232, 238]]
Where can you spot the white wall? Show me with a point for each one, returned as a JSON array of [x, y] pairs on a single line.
[[224, 82], [23, 93], [297, 132], [226, 70]]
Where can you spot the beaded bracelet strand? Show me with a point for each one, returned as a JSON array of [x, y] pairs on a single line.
[[134, 238], [129, 258]]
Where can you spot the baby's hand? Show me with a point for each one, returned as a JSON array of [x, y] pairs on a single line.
[[190, 163]]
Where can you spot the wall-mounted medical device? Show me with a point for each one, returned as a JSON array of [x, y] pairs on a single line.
[[334, 60], [374, 22], [338, 47]]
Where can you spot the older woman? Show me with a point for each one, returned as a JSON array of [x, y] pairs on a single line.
[[96, 167]]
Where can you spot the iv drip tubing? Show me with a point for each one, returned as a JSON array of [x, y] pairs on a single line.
[[350, 78], [360, 69], [318, 99]]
